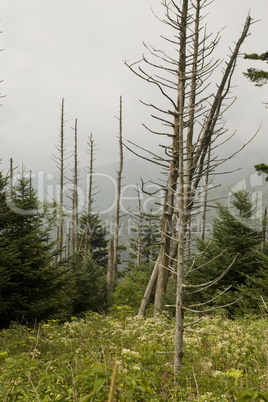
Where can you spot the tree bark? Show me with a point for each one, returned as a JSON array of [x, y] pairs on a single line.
[[264, 230], [75, 196], [110, 270], [139, 231], [118, 194], [205, 200], [149, 288], [60, 161], [89, 201], [193, 131]]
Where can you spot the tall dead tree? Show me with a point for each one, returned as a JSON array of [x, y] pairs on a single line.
[[75, 196], [140, 224], [60, 161], [118, 191], [113, 244], [205, 196], [110, 269], [193, 122], [89, 198], [264, 230], [11, 171]]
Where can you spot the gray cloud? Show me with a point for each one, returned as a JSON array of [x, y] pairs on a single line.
[[75, 49]]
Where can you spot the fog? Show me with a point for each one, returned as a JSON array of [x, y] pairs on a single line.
[[76, 50]]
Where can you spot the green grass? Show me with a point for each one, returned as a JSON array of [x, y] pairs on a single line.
[[74, 361]]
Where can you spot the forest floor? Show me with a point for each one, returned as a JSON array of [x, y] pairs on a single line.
[[73, 361]]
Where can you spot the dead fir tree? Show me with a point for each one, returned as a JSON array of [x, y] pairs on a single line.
[[11, 173], [264, 230], [75, 195], [60, 161], [118, 192], [90, 144], [137, 219], [139, 227], [112, 268], [193, 121], [205, 195]]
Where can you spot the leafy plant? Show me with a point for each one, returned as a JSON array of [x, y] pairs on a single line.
[[252, 395], [74, 361]]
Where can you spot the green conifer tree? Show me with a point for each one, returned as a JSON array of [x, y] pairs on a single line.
[[258, 76], [7, 249], [97, 238], [90, 285], [36, 288], [150, 239], [233, 238], [262, 168]]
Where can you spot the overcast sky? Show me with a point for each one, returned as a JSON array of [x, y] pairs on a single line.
[[75, 49]]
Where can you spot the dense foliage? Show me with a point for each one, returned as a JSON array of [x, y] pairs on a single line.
[[89, 290], [130, 289], [97, 237], [147, 224], [262, 168], [258, 76], [234, 244], [32, 285], [74, 361]]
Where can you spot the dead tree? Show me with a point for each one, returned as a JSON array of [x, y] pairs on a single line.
[[68, 245], [140, 224], [264, 230], [110, 269], [89, 200], [75, 196], [60, 161], [11, 171], [118, 192], [193, 122], [113, 244], [205, 198]]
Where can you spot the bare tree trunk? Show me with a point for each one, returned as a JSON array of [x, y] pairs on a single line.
[[183, 188], [161, 285], [139, 231], [60, 164], [110, 270], [118, 195], [264, 230], [167, 226], [89, 201], [179, 317], [191, 120], [11, 178], [75, 196], [205, 200], [30, 183], [69, 245], [149, 288]]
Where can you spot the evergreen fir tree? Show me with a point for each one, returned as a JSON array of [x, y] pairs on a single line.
[[262, 168], [96, 237], [130, 289], [90, 285], [35, 289], [258, 76], [7, 250], [233, 239], [150, 238]]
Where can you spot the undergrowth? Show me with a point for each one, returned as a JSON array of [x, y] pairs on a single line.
[[74, 361]]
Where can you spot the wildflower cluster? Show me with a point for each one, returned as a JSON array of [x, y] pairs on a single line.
[[67, 362]]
